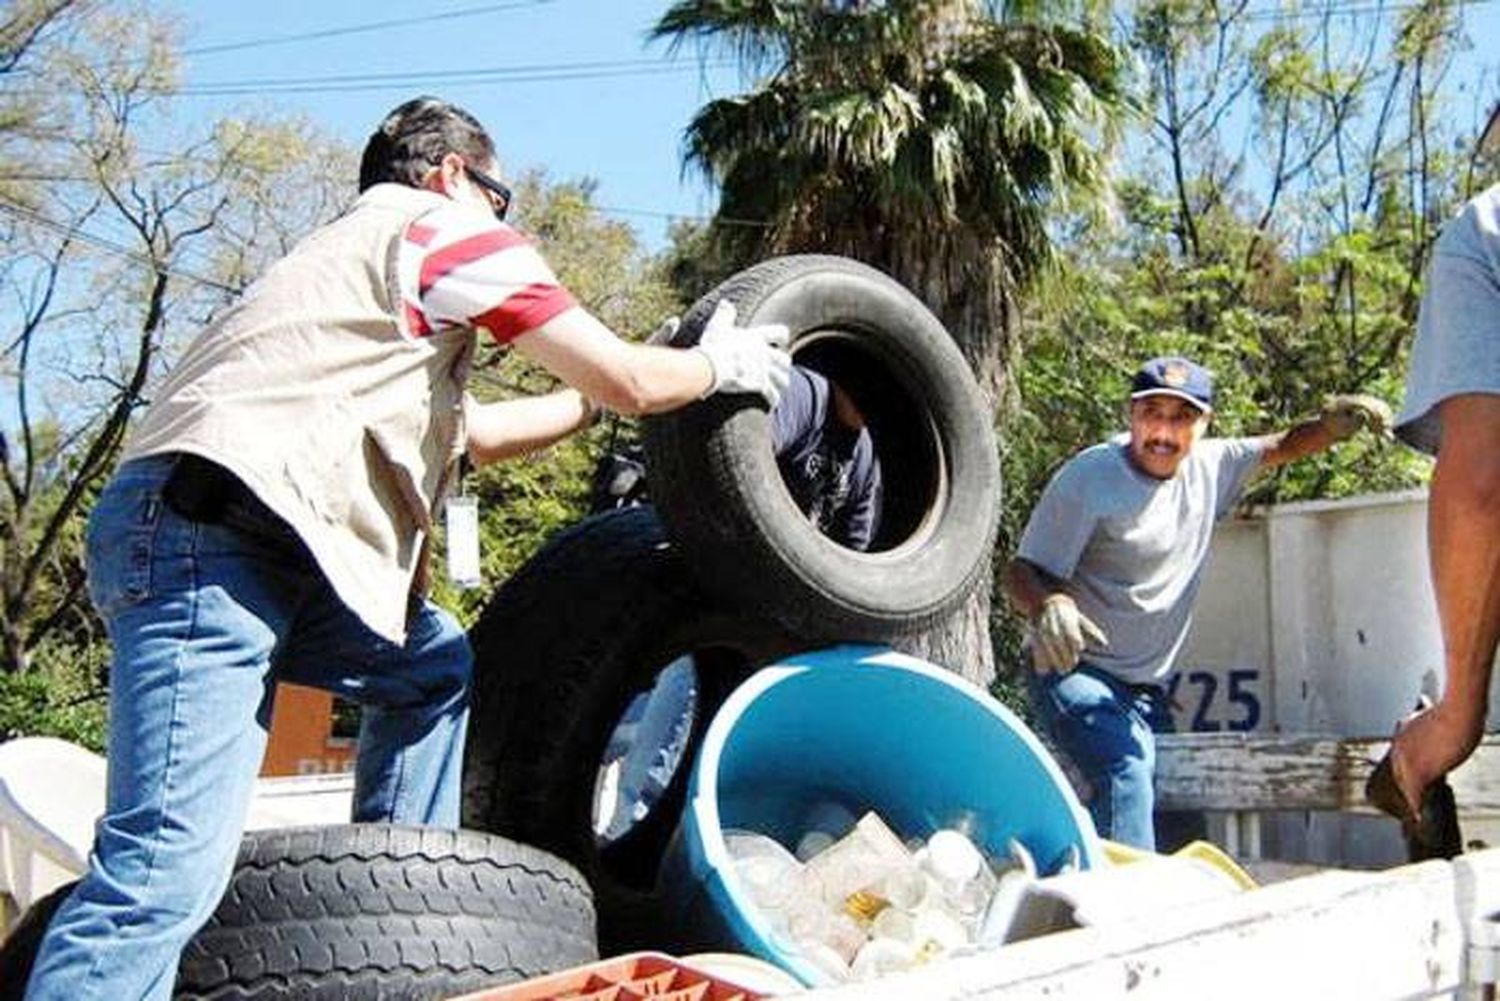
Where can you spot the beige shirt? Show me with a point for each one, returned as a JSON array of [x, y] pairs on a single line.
[[314, 392]]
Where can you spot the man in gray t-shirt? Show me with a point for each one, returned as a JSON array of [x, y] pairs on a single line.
[[1453, 411], [1110, 563]]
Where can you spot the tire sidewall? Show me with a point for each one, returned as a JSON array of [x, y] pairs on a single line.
[[756, 533], [549, 691]]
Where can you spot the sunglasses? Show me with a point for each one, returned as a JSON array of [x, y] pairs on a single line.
[[500, 194]]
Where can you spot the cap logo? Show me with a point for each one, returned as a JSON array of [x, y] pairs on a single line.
[[1174, 374]]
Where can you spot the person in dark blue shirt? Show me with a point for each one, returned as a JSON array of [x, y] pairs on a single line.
[[828, 462], [823, 450], [827, 459]]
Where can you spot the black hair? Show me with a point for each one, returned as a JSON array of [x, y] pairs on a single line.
[[414, 137]]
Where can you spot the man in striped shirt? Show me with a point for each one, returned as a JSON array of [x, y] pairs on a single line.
[[270, 521]]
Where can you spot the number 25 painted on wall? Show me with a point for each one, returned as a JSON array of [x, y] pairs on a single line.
[[1198, 691]]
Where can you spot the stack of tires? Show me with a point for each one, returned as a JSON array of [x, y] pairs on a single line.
[[366, 911], [723, 567]]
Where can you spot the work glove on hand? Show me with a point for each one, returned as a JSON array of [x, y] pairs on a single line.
[[1346, 414], [661, 337], [745, 359], [1059, 634]]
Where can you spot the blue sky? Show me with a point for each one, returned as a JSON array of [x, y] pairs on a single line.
[[584, 93], [621, 125]]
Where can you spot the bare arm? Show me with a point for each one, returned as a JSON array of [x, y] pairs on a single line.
[[1297, 442], [509, 428], [624, 377], [1027, 587], [1342, 416]]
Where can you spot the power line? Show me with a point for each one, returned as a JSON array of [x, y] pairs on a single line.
[[681, 216], [352, 29], [564, 71], [33, 217], [445, 75], [1355, 8], [463, 77], [409, 79], [25, 214], [362, 28]]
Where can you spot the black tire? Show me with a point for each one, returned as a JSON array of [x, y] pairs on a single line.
[[18, 951], [715, 482], [369, 911], [560, 651]]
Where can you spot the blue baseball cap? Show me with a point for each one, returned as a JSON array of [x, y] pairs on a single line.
[[1179, 377]]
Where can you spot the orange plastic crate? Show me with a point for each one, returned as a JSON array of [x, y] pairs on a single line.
[[638, 975]]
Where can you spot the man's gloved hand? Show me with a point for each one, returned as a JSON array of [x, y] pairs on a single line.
[[661, 337], [745, 359], [1059, 634], [1346, 414]]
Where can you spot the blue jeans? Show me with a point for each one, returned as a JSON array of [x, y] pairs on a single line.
[[1107, 728], [204, 619]]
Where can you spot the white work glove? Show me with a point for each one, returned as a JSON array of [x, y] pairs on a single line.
[[745, 359], [661, 337], [1344, 415], [1059, 634]]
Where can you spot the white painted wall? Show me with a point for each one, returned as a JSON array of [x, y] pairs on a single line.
[[1330, 605]]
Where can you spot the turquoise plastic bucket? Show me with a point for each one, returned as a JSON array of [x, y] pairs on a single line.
[[871, 729]]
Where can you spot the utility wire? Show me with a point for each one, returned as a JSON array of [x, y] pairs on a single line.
[[681, 217], [362, 28], [1358, 8], [351, 29], [581, 70], [35, 218], [408, 79], [446, 74]]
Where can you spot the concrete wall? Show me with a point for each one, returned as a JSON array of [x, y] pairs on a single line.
[[1317, 618]]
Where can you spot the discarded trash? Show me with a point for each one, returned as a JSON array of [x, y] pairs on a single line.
[[867, 904], [817, 742]]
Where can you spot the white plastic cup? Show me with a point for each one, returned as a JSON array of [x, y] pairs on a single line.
[[880, 956]]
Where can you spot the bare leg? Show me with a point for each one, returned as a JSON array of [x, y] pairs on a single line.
[[1463, 535]]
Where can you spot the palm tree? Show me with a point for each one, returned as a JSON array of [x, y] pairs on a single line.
[[937, 140], [933, 139]]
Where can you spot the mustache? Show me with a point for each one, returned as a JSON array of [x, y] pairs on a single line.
[[1163, 442]]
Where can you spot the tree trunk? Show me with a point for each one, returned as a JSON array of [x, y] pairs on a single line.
[[966, 288], [960, 642]]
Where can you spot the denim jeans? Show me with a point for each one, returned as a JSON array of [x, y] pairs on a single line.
[[204, 619], [1107, 727]]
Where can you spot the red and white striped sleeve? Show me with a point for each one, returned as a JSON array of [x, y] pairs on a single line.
[[459, 269]]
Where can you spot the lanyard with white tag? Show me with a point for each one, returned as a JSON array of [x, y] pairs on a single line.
[[462, 524]]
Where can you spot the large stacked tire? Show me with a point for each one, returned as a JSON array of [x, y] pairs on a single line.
[[365, 912], [714, 480], [560, 651], [737, 579]]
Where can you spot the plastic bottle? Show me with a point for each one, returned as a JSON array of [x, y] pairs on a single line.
[[964, 882], [812, 844], [937, 933], [769, 872], [1013, 882], [880, 956]]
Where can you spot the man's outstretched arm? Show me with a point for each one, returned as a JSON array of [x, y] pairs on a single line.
[[1342, 417]]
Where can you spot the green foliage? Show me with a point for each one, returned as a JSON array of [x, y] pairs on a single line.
[[936, 141], [61, 696], [524, 501], [897, 122]]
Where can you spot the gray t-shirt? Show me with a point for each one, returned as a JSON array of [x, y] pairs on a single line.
[[1457, 349], [1132, 547]]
